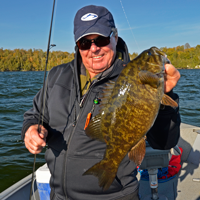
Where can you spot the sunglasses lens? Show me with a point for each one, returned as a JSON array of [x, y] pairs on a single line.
[[84, 44], [100, 41]]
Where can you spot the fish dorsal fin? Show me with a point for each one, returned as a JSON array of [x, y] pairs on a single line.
[[149, 78], [137, 152], [93, 130], [168, 101]]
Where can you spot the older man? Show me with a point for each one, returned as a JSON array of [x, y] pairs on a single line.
[[72, 92]]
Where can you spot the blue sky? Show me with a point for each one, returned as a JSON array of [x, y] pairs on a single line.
[[25, 24]]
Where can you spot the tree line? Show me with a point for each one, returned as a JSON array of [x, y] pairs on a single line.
[[181, 57], [31, 60], [184, 57]]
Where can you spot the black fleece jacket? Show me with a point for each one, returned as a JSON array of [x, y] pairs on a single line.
[[70, 151]]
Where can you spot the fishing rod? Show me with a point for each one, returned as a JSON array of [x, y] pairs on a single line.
[[42, 94]]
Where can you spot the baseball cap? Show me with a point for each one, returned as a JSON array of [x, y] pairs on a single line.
[[93, 20]]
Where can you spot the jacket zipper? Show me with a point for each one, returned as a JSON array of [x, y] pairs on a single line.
[[82, 103]]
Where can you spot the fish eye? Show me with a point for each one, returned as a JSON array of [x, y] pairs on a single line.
[[149, 53]]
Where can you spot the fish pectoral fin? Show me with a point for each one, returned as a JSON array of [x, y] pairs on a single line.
[[149, 78], [107, 91], [93, 130], [168, 101], [137, 152]]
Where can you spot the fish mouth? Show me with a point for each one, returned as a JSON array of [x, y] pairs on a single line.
[[153, 64], [158, 51], [162, 54], [165, 60], [162, 68]]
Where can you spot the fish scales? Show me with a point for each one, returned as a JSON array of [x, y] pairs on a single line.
[[129, 112]]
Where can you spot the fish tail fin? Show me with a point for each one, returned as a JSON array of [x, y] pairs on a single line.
[[106, 174]]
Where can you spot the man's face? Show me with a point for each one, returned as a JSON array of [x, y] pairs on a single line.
[[97, 59]]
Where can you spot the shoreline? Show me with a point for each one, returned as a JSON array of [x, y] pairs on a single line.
[[49, 70]]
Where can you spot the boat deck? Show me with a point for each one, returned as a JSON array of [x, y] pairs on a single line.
[[182, 187]]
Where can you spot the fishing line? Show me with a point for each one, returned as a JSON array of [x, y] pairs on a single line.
[[43, 97], [129, 24]]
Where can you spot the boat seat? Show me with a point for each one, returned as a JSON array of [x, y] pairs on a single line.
[[153, 160]]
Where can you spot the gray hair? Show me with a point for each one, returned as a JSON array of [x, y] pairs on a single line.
[[114, 30]]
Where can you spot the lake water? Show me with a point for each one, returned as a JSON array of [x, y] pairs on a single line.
[[17, 90]]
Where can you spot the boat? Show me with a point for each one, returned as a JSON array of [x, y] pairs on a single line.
[[184, 186]]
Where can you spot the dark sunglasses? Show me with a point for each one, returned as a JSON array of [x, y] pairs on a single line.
[[100, 41]]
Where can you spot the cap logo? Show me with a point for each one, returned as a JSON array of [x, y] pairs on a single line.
[[89, 17]]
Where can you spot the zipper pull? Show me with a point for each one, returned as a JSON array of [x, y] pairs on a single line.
[[82, 101]]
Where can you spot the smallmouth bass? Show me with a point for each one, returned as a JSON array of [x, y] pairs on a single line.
[[128, 110]]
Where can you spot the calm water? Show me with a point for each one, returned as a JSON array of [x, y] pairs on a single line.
[[17, 90]]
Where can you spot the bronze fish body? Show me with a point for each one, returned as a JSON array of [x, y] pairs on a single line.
[[129, 108]]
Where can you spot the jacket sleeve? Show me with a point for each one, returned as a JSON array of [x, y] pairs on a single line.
[[165, 132], [31, 116]]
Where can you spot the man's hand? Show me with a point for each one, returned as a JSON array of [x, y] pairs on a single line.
[[35, 141], [172, 76]]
